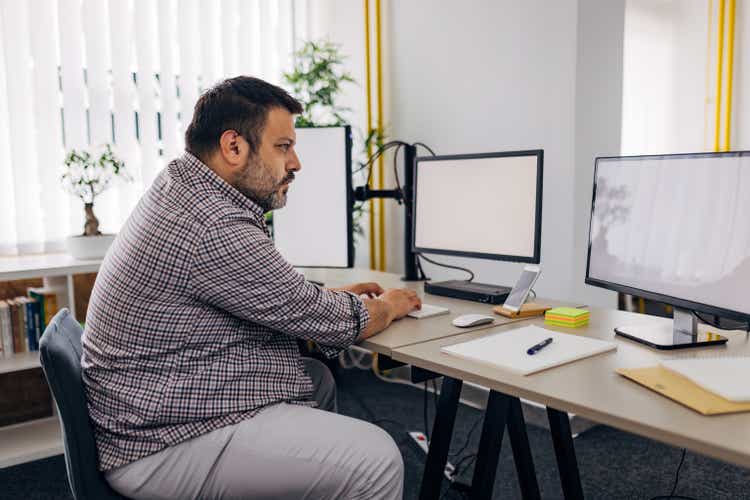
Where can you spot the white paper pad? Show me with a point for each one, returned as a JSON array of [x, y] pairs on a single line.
[[728, 377], [508, 349]]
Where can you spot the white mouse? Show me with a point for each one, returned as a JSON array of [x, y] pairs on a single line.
[[468, 320]]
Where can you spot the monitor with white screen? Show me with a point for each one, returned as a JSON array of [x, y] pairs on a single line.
[[314, 228], [674, 228], [481, 205]]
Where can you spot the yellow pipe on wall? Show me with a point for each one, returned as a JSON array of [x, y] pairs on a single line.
[[730, 69], [719, 70], [369, 127], [379, 59]]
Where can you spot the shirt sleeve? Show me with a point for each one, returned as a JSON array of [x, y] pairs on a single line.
[[237, 268]]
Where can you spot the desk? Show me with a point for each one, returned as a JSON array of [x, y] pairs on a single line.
[[409, 331], [591, 388]]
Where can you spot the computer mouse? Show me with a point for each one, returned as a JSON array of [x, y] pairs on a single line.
[[468, 320]]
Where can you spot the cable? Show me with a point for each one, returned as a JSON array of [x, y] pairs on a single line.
[[422, 275], [674, 486], [435, 394], [395, 175], [468, 437], [532, 291], [383, 149], [424, 410], [375, 155], [471, 278], [428, 148], [464, 464], [677, 474], [717, 323]]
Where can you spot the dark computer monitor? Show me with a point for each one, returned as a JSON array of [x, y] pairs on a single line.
[[487, 206], [675, 229], [314, 229]]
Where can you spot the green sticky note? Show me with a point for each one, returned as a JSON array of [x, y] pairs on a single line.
[[568, 312]]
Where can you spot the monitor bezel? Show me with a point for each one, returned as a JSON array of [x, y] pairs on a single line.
[[534, 259], [647, 294]]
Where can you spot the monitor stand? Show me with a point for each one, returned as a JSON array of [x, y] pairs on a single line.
[[681, 334]]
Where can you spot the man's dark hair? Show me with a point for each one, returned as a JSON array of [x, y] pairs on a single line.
[[240, 104]]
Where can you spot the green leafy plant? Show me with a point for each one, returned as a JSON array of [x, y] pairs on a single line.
[[88, 174], [316, 81]]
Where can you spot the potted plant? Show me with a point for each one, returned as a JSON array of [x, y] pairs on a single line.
[[88, 174]]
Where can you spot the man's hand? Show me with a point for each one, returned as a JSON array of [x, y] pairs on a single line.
[[372, 290], [391, 305], [402, 301]]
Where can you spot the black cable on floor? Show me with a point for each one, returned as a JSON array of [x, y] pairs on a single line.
[[435, 394], [468, 437], [674, 486], [424, 410]]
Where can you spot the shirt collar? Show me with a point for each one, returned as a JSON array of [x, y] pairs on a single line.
[[193, 163]]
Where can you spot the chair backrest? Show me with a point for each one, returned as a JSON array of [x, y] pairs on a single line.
[[60, 349]]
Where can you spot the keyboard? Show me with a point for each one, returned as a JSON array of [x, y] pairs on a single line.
[[428, 311]]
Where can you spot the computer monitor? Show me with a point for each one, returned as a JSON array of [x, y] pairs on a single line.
[[487, 206], [675, 229], [314, 229]]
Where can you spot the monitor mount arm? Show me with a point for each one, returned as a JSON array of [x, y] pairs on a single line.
[[406, 196]]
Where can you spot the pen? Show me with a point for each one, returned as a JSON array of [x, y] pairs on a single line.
[[536, 348]]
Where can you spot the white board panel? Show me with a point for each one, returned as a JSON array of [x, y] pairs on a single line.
[[313, 229]]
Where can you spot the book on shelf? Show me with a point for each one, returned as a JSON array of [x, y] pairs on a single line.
[[20, 326], [6, 333], [48, 303], [19, 341]]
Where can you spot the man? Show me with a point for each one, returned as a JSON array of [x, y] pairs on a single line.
[[195, 384]]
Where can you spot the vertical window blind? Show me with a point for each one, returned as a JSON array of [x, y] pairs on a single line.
[[76, 74]]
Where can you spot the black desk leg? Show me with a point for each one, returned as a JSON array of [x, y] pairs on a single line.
[[495, 418], [567, 464], [519, 441], [440, 441]]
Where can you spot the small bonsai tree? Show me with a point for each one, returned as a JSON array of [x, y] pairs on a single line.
[[88, 175]]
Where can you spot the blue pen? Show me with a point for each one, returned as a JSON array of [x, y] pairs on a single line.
[[541, 345]]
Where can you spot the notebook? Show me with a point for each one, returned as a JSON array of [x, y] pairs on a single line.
[[728, 377], [428, 311], [508, 349]]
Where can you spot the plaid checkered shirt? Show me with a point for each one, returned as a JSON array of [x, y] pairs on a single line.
[[194, 319]]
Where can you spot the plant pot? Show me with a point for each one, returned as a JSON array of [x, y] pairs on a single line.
[[89, 247]]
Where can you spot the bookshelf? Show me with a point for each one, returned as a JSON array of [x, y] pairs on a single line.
[[40, 438]]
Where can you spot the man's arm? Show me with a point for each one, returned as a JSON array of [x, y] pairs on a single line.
[[393, 304]]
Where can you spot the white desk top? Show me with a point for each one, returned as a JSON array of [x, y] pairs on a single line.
[[591, 388]]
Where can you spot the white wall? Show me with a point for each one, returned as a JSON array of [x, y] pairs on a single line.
[[598, 120], [741, 111], [501, 75]]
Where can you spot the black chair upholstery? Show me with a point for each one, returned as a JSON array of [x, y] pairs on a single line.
[[60, 349]]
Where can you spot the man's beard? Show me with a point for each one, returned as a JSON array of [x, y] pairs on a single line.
[[257, 184]]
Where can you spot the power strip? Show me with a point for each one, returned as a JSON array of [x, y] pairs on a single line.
[[421, 440]]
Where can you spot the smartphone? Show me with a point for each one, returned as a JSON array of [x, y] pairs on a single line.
[[521, 290]]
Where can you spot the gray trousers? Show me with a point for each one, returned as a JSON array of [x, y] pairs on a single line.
[[285, 452]]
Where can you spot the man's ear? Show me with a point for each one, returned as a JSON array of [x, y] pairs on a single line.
[[233, 148]]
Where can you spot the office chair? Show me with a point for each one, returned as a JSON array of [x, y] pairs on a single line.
[[60, 349]]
